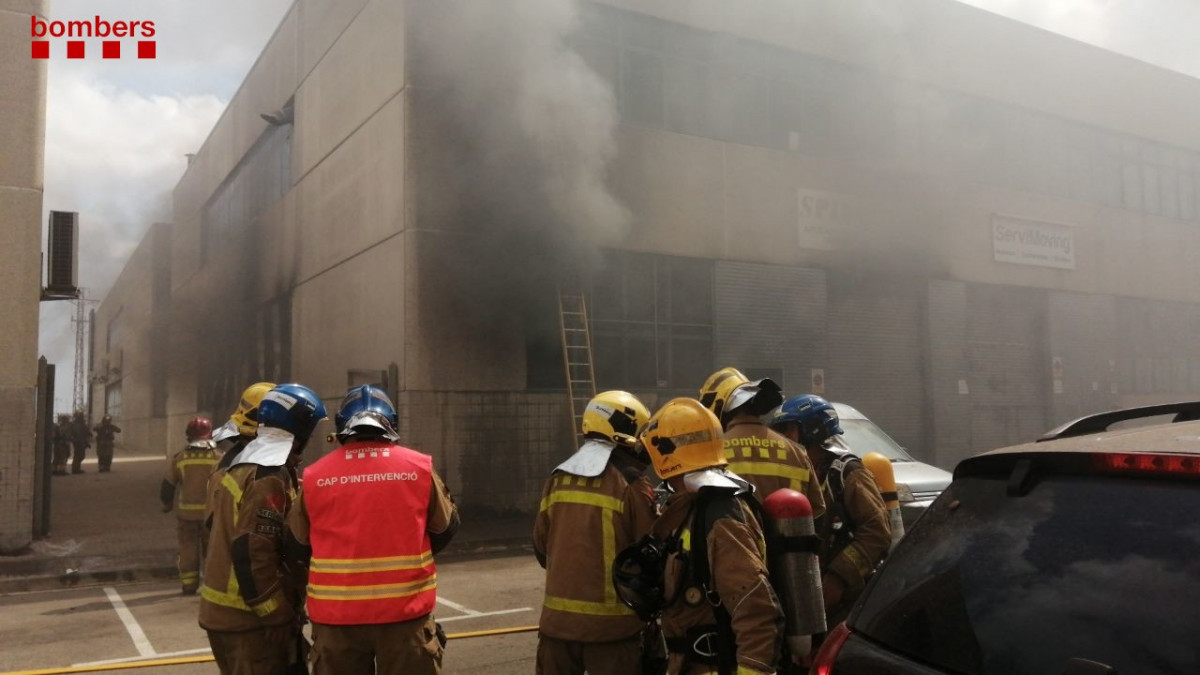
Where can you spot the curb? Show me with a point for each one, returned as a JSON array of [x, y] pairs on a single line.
[[76, 579], [35, 575]]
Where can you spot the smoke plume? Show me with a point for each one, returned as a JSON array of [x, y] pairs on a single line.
[[517, 133]]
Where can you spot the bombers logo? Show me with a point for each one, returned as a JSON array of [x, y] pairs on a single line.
[[41, 30]]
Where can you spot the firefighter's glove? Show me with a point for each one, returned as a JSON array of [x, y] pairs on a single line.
[[832, 589]]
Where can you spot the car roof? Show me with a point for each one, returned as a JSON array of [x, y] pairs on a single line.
[[1172, 438], [847, 412]]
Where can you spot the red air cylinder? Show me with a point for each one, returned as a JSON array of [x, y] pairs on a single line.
[[795, 570]]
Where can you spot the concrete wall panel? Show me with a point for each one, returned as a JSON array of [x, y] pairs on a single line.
[[361, 72], [458, 342], [22, 104], [321, 23], [674, 186], [355, 197], [351, 317], [20, 213]]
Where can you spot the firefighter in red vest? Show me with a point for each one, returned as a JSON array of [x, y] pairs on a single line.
[[593, 505], [373, 514]]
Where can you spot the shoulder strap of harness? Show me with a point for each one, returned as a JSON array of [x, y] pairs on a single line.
[[712, 505], [844, 462]]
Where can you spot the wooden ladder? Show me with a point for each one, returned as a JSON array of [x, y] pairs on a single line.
[[577, 355]]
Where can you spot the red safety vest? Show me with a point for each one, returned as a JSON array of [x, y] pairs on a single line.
[[367, 504]]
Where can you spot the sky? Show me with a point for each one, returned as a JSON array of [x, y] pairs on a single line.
[[117, 131]]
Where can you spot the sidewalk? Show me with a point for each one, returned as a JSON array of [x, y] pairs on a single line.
[[109, 528]]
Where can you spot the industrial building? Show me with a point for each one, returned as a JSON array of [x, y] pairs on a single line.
[[969, 229]]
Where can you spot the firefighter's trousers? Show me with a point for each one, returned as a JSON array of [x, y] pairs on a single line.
[[404, 648], [193, 547], [557, 657]]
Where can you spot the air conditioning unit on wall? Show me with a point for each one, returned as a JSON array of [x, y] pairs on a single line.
[[62, 260]]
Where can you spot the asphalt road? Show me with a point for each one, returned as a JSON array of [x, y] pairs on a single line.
[[91, 626]]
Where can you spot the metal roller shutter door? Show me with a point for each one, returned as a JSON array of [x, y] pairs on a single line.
[[875, 355]]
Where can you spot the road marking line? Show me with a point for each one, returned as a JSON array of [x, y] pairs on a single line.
[[477, 615], [128, 659], [455, 605], [131, 624]]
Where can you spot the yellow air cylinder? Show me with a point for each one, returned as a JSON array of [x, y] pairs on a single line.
[[881, 468]]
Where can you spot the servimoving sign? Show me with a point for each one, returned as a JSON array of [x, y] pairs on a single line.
[[1032, 242]]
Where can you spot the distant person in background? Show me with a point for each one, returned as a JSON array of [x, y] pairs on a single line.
[[183, 488], [81, 438], [61, 438], [106, 433]]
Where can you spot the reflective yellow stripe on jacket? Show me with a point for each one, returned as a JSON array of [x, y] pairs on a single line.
[[610, 507], [390, 564], [231, 597], [797, 476], [378, 592]]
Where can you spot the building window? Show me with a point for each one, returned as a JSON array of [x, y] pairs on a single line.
[[261, 179], [112, 400], [652, 322]]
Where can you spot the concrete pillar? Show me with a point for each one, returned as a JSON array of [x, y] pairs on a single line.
[[22, 137]]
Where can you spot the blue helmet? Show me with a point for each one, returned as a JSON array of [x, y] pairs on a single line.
[[817, 418], [367, 409], [292, 407]]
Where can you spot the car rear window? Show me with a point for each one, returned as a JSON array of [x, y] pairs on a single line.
[[1092, 567], [862, 436]]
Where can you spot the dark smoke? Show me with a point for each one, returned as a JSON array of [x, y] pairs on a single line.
[[515, 135]]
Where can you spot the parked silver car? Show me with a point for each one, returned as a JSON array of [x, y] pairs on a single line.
[[917, 483]]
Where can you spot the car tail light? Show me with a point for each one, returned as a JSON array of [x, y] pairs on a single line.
[[828, 653], [1146, 464]]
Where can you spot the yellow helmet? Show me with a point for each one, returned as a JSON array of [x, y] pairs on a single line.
[[615, 415], [245, 418], [683, 436], [728, 389]]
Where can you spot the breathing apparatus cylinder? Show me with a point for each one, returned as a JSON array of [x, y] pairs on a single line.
[[881, 469], [795, 570]]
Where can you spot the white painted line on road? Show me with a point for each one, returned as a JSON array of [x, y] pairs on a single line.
[[128, 659], [455, 605], [131, 624], [122, 460], [477, 615]]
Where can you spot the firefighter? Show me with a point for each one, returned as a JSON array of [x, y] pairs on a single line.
[[372, 581], [62, 445], [249, 611], [81, 438], [243, 423], [232, 436], [756, 453], [721, 614], [183, 488], [593, 505], [855, 535], [106, 433]]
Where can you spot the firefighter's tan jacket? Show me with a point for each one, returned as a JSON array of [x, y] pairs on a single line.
[[583, 523], [769, 462], [187, 473], [855, 554], [738, 575], [246, 585]]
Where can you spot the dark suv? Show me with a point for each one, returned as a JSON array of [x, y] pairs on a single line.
[[1079, 553]]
